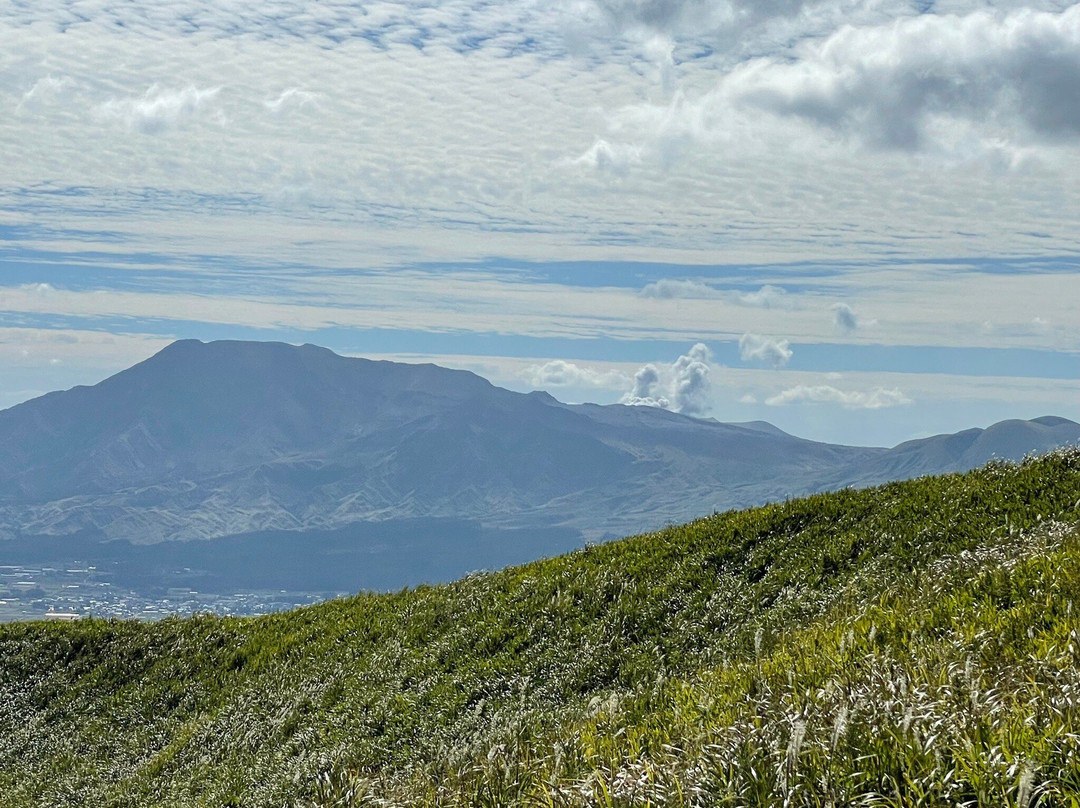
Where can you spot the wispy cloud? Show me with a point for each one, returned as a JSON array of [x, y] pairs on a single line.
[[613, 158], [767, 297], [159, 108], [293, 97]]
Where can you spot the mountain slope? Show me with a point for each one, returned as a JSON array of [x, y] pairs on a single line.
[[206, 440], [229, 438], [1006, 440], [909, 644], [196, 410]]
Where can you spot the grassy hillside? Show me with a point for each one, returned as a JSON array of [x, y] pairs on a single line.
[[914, 644]]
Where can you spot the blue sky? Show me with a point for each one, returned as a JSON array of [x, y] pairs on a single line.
[[865, 211]]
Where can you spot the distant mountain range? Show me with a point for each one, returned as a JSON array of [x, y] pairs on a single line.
[[227, 439]]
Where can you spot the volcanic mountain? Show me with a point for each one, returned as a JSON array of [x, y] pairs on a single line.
[[229, 438]]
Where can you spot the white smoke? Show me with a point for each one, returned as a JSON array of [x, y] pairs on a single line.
[[682, 387], [646, 391], [691, 383]]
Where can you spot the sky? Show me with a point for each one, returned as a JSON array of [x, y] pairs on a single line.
[[855, 219]]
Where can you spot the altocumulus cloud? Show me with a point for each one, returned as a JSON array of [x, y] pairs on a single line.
[[683, 387], [875, 399], [713, 19]]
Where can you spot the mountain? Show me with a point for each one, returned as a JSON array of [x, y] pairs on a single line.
[[1006, 440], [207, 440], [231, 439], [913, 644]]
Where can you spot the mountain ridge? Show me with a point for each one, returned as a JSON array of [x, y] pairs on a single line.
[[206, 440]]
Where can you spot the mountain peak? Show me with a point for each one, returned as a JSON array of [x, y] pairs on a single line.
[[239, 350], [1053, 421], [201, 408]]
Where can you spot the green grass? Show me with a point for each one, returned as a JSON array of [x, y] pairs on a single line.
[[914, 644]]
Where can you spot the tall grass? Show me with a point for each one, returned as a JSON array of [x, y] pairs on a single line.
[[913, 644]]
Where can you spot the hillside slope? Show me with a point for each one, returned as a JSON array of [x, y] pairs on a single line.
[[910, 644]]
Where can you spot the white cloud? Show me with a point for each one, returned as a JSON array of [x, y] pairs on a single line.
[[671, 288], [68, 357], [844, 318], [683, 387], [39, 290], [420, 148], [875, 399], [159, 108], [657, 15], [754, 347], [559, 373], [930, 78], [940, 402], [767, 297]]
